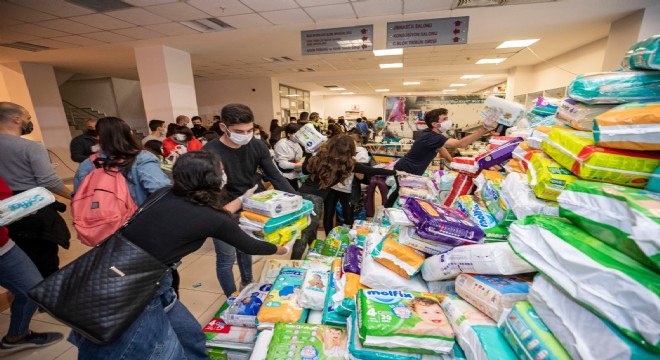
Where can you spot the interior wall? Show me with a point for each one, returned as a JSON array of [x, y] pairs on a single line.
[[95, 93], [336, 105], [130, 104], [623, 33]]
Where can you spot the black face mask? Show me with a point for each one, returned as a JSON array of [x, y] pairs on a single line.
[[27, 128], [197, 126], [92, 132]]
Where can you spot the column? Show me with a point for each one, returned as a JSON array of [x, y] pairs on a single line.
[[627, 31], [519, 81], [167, 83]]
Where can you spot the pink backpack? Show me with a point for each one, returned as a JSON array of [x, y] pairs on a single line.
[[101, 205]]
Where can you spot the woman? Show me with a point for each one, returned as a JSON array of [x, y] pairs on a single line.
[[275, 132], [156, 147], [333, 164], [348, 192], [166, 329], [180, 143], [288, 155], [334, 130]]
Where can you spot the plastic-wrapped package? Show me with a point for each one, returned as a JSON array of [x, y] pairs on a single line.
[[281, 304], [352, 259], [654, 181], [269, 225], [377, 276], [219, 334], [272, 267], [315, 317], [243, 311], [414, 192], [615, 87], [314, 288], [408, 237], [643, 55], [631, 126], [414, 181], [546, 177], [463, 185], [506, 112], [593, 274], [499, 140], [307, 341], [478, 212], [575, 150], [334, 244], [415, 321], [485, 175], [309, 138], [356, 351], [484, 259], [288, 233], [444, 179], [477, 334], [582, 334], [498, 206], [498, 155], [344, 299], [465, 165], [535, 139], [330, 315], [529, 338], [260, 350], [625, 218], [401, 259], [273, 203], [579, 116], [545, 106], [492, 294], [362, 228], [520, 196], [442, 286], [397, 217], [18, 206]]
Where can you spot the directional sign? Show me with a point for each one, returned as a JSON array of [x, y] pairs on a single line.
[[432, 32], [327, 41]]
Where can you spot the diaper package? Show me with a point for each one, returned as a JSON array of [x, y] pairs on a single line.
[[414, 192], [260, 350], [631, 126], [307, 341], [575, 150], [545, 106], [334, 244], [465, 165], [397, 217], [593, 274], [625, 218], [486, 175], [414, 181], [506, 112], [497, 204], [654, 181], [219, 334], [282, 301], [330, 315], [442, 286], [485, 259], [535, 139], [314, 287], [377, 276], [477, 211], [347, 286], [356, 351], [309, 138], [498, 155], [272, 267], [476, 333], [315, 317], [492, 294], [643, 55], [406, 321], [408, 237], [520, 196], [273, 203], [18, 206], [582, 334], [401, 259], [444, 179], [268, 224], [463, 185], [615, 87], [547, 177], [579, 116], [351, 260], [243, 311], [441, 223], [362, 228], [528, 336], [286, 234]]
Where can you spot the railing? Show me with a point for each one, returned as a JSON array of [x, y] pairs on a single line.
[[77, 116]]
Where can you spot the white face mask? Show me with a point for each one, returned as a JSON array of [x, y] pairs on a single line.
[[445, 125], [257, 137], [163, 132], [238, 139], [180, 137]]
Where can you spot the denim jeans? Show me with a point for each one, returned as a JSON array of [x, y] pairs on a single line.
[[225, 255], [164, 330], [18, 274]]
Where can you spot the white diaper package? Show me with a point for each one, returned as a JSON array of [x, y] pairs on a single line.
[[272, 267], [492, 294], [377, 276], [516, 190], [261, 346], [408, 237], [496, 258], [309, 138], [505, 112], [315, 317], [273, 203], [314, 288], [21, 205], [243, 311], [397, 217], [442, 286]]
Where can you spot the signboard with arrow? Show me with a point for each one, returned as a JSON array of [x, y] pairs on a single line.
[[432, 32], [338, 40]]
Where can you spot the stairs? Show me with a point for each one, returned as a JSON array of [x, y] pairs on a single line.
[[77, 116]]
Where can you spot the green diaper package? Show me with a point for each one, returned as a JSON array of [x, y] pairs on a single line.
[[356, 351], [529, 337], [404, 321], [330, 315], [478, 212], [306, 342], [497, 205]]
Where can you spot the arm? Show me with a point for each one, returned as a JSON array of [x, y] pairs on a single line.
[[44, 173], [268, 166], [77, 148], [283, 156], [229, 232], [371, 171], [445, 154], [453, 143], [149, 173]]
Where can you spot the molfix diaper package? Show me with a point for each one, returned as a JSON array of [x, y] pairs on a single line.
[[520, 196], [281, 304], [408, 237], [314, 287], [401, 259], [582, 334], [528, 336], [485, 259], [492, 294], [594, 274], [579, 116], [405, 321], [632, 126], [547, 177], [18, 206], [307, 341], [243, 311], [476, 333], [273, 203], [505, 112], [627, 219], [615, 87], [476, 210]]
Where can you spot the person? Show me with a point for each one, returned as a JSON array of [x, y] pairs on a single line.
[[166, 329], [292, 120], [314, 119], [304, 118], [24, 164], [398, 112], [179, 143], [208, 136], [216, 125], [18, 274], [156, 147], [433, 319], [288, 155], [431, 142], [182, 120], [242, 157], [157, 128], [171, 129], [334, 130], [342, 123], [333, 163], [86, 144], [198, 129], [378, 126], [362, 127], [275, 132]]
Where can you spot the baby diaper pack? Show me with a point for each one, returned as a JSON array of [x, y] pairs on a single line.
[[401, 320], [463, 185], [615, 87], [281, 304], [330, 315], [356, 351], [643, 55], [314, 287], [498, 155], [288, 233], [309, 138], [307, 341], [632, 126], [496, 203], [528, 335], [408, 237], [18, 206], [465, 165], [401, 259], [397, 217], [521, 197], [476, 210], [505, 112], [243, 311], [579, 116], [492, 294], [414, 192], [270, 224], [547, 177], [334, 244], [272, 267], [273, 203], [219, 334]]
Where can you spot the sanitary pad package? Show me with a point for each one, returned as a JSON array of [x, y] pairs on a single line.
[[492, 294], [579, 116], [631, 126], [307, 341], [273, 203], [547, 177], [282, 301], [314, 288], [615, 87], [520, 196], [18, 206], [243, 311], [401, 259]]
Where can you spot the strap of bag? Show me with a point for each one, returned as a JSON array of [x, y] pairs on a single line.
[[159, 194]]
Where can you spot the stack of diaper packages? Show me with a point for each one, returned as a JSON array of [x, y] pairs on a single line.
[[281, 303], [416, 186], [275, 216], [228, 340], [335, 243]]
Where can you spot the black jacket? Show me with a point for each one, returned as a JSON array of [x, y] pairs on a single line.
[[81, 147]]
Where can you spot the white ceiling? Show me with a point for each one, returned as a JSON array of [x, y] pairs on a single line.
[[89, 42]]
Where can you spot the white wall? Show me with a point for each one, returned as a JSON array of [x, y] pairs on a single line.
[[336, 105], [130, 105], [623, 33]]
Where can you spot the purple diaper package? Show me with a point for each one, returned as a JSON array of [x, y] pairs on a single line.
[[351, 260], [498, 155], [441, 223]]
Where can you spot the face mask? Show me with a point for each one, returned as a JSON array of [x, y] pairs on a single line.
[[180, 137], [445, 125], [197, 126], [163, 132], [27, 128], [238, 139], [257, 137], [91, 132]]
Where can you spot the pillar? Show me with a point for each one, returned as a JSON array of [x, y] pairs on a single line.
[[519, 81]]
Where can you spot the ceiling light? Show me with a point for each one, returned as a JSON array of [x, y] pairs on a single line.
[[337, 89], [471, 76], [391, 66], [208, 25], [449, 90], [411, 83], [490, 61], [347, 93], [517, 43], [456, 85], [382, 90], [388, 52], [26, 46]]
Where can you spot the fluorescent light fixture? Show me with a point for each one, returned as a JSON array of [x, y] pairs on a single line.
[[292, 95], [382, 90], [490, 61], [457, 85], [471, 76], [516, 43], [347, 93], [337, 89], [388, 52], [449, 90], [406, 83], [391, 66]]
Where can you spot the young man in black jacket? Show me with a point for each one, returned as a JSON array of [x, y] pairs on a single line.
[[82, 146]]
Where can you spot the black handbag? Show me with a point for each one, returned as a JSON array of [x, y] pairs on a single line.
[[102, 292]]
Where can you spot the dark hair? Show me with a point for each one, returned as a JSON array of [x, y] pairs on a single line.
[[291, 128], [233, 114], [8, 110], [304, 115], [358, 119], [184, 130], [198, 178], [171, 129], [379, 118], [216, 117], [155, 124], [180, 119], [118, 143], [274, 124], [292, 118], [210, 135], [433, 116], [154, 146], [334, 130], [196, 117], [314, 115], [334, 161]]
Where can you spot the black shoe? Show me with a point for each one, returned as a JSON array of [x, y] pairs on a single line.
[[32, 340]]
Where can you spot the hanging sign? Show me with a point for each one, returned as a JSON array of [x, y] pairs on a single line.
[[339, 40], [432, 32]]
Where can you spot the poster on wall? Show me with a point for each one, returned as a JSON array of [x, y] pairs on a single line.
[[411, 109]]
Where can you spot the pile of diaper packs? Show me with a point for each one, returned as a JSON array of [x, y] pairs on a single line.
[[275, 216]]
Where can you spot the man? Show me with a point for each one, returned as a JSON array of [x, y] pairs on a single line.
[[197, 129], [431, 142], [82, 146], [304, 118], [314, 119], [182, 120], [18, 274], [362, 127], [158, 130], [292, 120], [24, 164], [216, 125]]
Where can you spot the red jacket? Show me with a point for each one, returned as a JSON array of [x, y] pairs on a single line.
[[169, 145], [5, 192]]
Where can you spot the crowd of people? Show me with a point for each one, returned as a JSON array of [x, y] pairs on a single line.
[[207, 174]]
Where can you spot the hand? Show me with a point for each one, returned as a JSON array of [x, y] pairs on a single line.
[[286, 249], [298, 165], [248, 193]]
